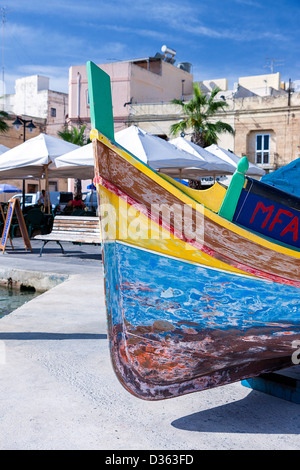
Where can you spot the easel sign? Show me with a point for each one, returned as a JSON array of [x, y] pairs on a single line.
[[3, 218], [14, 205]]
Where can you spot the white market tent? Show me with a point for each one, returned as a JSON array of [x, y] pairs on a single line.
[[165, 157], [156, 152], [230, 157], [50, 156], [78, 163], [32, 158], [223, 166]]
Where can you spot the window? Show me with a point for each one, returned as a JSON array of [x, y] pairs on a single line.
[[262, 149], [52, 185], [32, 188], [53, 112]]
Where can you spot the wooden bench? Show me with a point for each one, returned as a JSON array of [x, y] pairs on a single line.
[[73, 229]]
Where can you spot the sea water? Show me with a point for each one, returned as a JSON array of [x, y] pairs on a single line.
[[11, 299]]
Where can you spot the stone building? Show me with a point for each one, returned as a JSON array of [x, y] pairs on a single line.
[[267, 129], [263, 111], [34, 98], [265, 114]]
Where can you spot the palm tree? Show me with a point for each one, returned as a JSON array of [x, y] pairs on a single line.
[[198, 114], [4, 127], [75, 136]]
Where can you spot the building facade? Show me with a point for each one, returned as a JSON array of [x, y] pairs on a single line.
[[266, 118], [267, 129], [141, 81], [263, 111], [33, 100]]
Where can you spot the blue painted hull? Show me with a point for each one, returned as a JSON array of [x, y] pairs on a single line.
[[176, 327]]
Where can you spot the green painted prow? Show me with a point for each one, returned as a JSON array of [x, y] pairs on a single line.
[[234, 190], [100, 100]]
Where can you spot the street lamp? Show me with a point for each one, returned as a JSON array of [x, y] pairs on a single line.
[[27, 124]]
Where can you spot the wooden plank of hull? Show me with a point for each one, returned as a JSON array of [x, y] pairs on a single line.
[[176, 327], [222, 243]]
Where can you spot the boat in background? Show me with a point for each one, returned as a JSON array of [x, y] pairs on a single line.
[[285, 178], [269, 211], [194, 299]]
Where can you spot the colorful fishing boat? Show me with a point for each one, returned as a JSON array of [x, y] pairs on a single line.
[[196, 296]]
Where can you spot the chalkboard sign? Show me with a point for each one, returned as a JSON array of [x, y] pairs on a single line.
[[14, 206], [3, 218]]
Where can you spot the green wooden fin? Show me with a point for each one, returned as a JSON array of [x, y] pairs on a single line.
[[234, 190], [100, 100]]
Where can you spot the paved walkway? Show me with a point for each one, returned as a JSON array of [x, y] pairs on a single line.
[[58, 389]]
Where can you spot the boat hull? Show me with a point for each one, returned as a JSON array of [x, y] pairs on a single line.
[[176, 327], [187, 309], [194, 299]]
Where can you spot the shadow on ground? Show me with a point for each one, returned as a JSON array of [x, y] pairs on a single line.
[[250, 415]]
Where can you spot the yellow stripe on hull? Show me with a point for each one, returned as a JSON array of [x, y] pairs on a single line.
[[129, 225], [211, 198]]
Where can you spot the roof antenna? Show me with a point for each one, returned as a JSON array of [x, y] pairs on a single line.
[[3, 13]]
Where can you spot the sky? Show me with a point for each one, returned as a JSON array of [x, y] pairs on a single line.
[[220, 38]]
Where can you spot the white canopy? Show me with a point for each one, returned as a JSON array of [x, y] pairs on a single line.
[[156, 152], [177, 158], [78, 163], [164, 156], [230, 157], [222, 167], [30, 158]]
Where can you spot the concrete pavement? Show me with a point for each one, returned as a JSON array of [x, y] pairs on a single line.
[[58, 389]]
